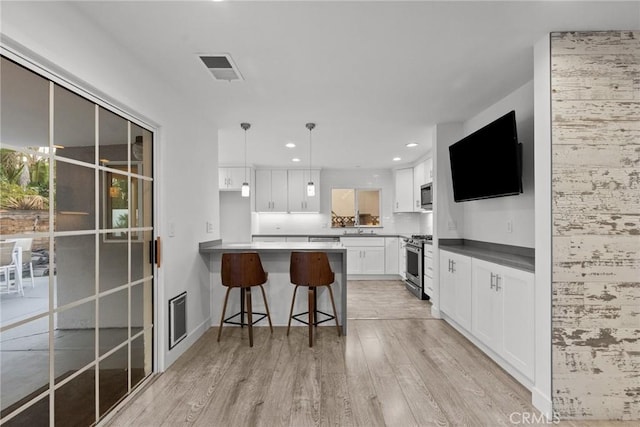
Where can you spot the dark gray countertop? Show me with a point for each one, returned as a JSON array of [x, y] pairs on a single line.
[[510, 256]]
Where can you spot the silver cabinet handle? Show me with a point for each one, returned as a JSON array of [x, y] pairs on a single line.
[[417, 203], [498, 279], [453, 266], [397, 205], [493, 276]]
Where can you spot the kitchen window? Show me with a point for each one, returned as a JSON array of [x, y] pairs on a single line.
[[354, 207]]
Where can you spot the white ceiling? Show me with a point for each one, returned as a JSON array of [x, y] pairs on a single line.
[[372, 75]]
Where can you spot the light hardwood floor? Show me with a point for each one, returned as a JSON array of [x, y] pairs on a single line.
[[397, 366]]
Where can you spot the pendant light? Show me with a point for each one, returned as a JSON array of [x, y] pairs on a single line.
[[311, 188], [246, 190]]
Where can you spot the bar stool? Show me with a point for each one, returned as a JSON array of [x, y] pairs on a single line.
[[243, 270], [311, 269]]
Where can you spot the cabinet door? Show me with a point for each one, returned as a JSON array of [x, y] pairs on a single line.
[[263, 190], [404, 190], [516, 288], [402, 261], [418, 180], [279, 190], [461, 266], [486, 304], [428, 170], [372, 260], [354, 263], [296, 190], [236, 177], [391, 255], [447, 284], [222, 179]]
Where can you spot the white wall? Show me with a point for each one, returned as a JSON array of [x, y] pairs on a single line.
[[186, 143], [320, 223], [541, 392], [235, 217], [486, 220]]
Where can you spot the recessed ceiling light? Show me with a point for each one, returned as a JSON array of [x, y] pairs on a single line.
[[295, 159], [412, 144], [396, 159], [289, 145]]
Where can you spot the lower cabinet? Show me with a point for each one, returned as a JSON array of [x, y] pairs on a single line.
[[503, 317], [365, 255], [391, 246], [455, 287]]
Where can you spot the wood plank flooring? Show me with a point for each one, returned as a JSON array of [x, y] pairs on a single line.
[[396, 367]]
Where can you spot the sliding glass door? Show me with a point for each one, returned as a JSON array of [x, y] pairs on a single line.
[[76, 282]]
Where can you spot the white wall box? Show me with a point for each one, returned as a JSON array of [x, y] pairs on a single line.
[[455, 287], [271, 190], [297, 190], [391, 259], [503, 312], [365, 255], [231, 179], [403, 190]]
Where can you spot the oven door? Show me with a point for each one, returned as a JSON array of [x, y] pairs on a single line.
[[414, 265]]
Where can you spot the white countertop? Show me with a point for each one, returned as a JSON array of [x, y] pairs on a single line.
[[216, 246]]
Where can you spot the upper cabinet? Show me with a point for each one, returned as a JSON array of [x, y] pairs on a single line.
[[297, 191], [231, 179], [271, 190], [428, 170], [404, 190], [418, 180]]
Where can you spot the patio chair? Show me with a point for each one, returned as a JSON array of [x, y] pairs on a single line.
[[25, 244], [8, 264]]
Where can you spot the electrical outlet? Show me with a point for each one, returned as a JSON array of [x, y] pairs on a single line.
[[509, 226], [209, 227], [172, 229], [452, 225]]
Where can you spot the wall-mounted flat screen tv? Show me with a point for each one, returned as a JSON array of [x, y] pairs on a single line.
[[487, 163]]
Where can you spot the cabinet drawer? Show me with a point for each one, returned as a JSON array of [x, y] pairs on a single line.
[[428, 285], [362, 241]]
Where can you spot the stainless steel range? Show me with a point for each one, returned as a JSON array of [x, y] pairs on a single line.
[[414, 268]]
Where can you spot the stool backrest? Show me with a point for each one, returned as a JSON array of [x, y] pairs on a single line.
[[6, 252], [310, 269], [242, 269]]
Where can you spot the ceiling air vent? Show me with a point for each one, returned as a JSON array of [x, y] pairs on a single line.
[[222, 67]]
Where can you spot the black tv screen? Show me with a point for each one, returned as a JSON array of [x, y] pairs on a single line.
[[487, 163]]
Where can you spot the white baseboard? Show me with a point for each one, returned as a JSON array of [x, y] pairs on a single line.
[[542, 402], [373, 277], [435, 312], [193, 336]]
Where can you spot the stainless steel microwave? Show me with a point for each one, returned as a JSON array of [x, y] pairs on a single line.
[[426, 196]]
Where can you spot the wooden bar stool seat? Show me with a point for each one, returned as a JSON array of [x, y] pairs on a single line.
[[243, 270], [311, 269]]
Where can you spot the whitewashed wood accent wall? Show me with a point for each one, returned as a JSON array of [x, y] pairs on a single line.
[[595, 113]]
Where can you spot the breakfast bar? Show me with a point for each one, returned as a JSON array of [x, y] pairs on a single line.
[[275, 257]]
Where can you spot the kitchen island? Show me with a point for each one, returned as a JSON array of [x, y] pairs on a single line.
[[275, 258]]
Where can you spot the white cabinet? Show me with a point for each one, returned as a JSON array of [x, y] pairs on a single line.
[[391, 260], [365, 255], [503, 312], [297, 190], [271, 190], [231, 179], [269, 239], [296, 239], [402, 260], [428, 170], [428, 270], [455, 287], [403, 190], [418, 180]]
